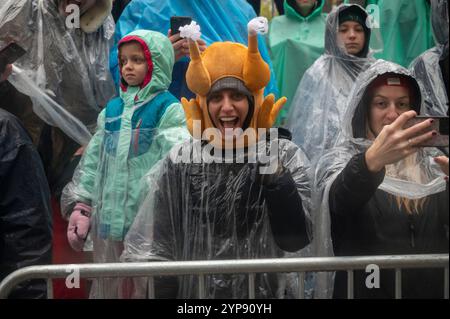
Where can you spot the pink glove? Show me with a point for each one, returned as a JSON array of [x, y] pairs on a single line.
[[79, 223]]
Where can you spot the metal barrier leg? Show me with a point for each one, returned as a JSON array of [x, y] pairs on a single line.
[[201, 286], [301, 285], [350, 286], [49, 288], [446, 283], [398, 283], [251, 286], [151, 288]]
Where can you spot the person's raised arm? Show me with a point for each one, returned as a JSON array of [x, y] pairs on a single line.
[[359, 180], [181, 46], [285, 209]]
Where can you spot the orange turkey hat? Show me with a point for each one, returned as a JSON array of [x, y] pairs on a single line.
[[228, 59]]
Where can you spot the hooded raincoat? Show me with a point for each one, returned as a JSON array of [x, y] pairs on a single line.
[[315, 117], [295, 43], [431, 68], [134, 131], [220, 20], [405, 27], [209, 202], [357, 211]]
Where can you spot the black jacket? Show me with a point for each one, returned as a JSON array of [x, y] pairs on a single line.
[[25, 218], [367, 221]]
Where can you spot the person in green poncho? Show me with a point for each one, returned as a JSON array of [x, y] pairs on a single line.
[[296, 40], [134, 132], [405, 27]]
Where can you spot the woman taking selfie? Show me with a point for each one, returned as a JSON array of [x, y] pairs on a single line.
[[383, 190]]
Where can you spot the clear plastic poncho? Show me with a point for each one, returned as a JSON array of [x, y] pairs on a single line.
[[65, 70], [220, 20], [426, 67], [316, 112], [210, 210], [134, 132], [396, 181]]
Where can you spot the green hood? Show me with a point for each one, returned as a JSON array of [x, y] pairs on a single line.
[[160, 61], [290, 11]]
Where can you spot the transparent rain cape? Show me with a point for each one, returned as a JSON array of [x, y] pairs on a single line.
[[134, 132], [334, 161], [212, 211], [316, 112], [65, 71], [109, 178]]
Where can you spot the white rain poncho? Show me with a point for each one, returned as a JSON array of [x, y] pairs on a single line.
[[201, 208], [426, 68], [65, 70], [316, 111], [396, 181]]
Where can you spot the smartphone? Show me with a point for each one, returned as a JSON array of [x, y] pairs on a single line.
[[177, 21], [440, 125], [11, 53]]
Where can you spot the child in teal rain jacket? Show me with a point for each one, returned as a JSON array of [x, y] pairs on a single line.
[[134, 131]]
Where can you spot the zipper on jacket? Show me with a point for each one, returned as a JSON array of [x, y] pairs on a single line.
[[136, 137]]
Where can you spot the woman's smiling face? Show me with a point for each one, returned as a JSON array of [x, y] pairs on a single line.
[[228, 109]]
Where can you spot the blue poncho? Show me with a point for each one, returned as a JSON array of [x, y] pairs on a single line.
[[220, 20]]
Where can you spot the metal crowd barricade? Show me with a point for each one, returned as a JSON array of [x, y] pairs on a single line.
[[249, 266]]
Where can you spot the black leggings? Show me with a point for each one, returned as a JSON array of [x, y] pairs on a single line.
[[257, 5]]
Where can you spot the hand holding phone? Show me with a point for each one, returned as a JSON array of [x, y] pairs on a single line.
[[180, 46], [440, 125], [177, 21]]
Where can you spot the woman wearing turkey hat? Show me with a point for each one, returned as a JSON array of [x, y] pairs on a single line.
[[228, 207]]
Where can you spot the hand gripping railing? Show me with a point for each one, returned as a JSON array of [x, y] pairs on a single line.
[[248, 266]]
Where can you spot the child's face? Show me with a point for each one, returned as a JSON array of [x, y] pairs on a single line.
[[133, 63]]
